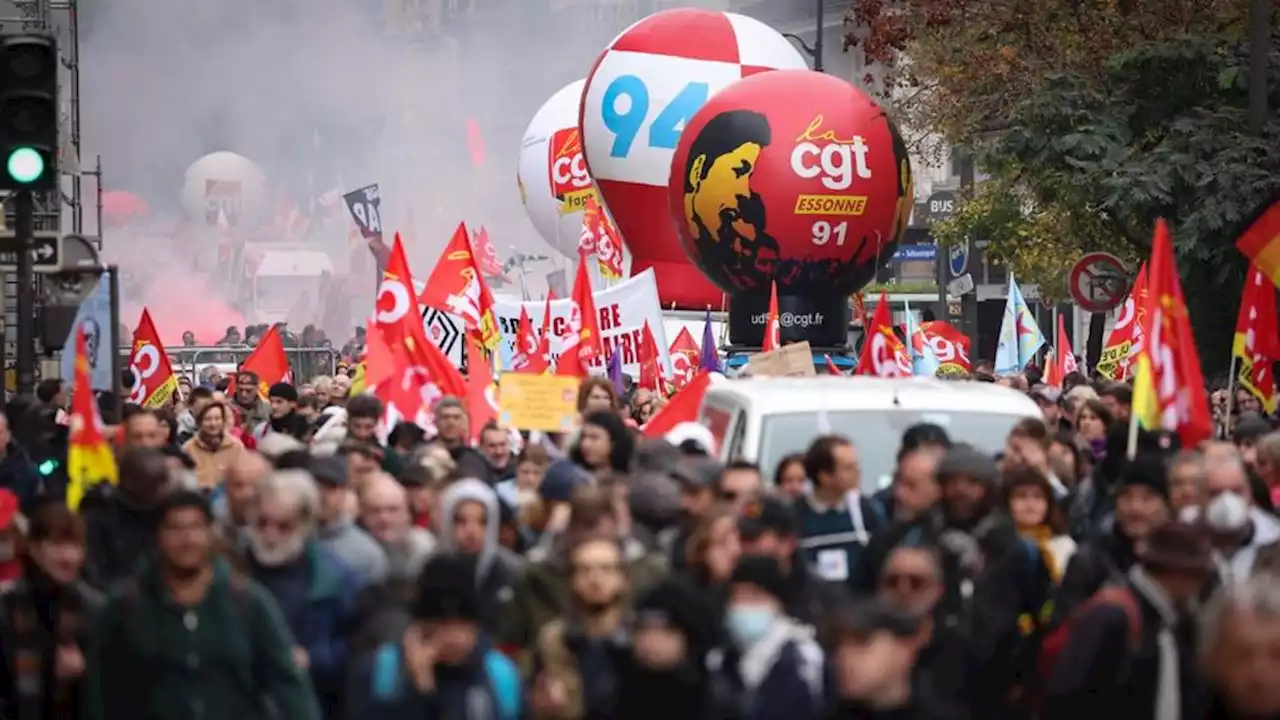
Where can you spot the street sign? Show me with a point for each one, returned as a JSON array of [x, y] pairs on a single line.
[[958, 258], [1098, 282], [942, 205], [46, 252], [960, 286]]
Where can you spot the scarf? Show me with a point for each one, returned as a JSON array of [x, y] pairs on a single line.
[[1168, 704], [1041, 535]]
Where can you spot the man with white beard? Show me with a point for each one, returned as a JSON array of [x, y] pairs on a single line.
[[315, 591]]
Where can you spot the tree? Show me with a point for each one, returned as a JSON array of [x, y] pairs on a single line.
[[1091, 118]]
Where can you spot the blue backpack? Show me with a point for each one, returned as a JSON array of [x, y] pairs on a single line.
[[504, 679]]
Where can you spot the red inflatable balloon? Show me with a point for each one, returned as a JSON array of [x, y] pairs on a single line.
[[791, 175]]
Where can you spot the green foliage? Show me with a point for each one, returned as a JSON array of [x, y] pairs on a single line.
[[1092, 118]]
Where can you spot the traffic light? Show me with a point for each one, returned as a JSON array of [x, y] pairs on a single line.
[[29, 112]]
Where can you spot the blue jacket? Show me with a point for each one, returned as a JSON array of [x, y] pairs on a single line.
[[18, 473], [784, 677], [485, 688], [320, 612]]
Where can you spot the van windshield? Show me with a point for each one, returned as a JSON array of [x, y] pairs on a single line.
[[877, 435]]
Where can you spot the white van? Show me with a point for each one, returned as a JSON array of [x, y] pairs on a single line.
[[763, 419]]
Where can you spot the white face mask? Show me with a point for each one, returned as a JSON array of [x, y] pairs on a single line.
[[1227, 513]]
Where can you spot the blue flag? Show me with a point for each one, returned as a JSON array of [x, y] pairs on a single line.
[[94, 317], [1020, 336]]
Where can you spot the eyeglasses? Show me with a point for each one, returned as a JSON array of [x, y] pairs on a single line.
[[906, 582]]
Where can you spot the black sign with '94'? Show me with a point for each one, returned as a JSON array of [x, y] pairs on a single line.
[[365, 205]]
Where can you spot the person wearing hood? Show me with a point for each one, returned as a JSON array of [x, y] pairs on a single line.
[[874, 673], [338, 532], [768, 527], [468, 524], [120, 527], [285, 419], [384, 512], [1245, 539], [213, 448], [315, 591], [443, 665], [604, 444], [772, 668], [675, 630]]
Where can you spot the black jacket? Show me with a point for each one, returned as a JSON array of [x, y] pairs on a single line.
[[118, 536]]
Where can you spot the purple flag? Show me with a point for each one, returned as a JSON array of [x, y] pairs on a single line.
[[709, 359], [615, 373]]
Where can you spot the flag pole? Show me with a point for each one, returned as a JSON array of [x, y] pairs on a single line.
[[1231, 395], [1133, 436]]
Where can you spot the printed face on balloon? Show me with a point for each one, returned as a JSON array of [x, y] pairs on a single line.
[[793, 176]]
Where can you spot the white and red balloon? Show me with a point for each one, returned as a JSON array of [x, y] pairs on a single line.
[[552, 173], [225, 187]]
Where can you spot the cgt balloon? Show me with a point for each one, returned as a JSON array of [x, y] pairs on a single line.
[[642, 92], [795, 177], [552, 173], [225, 188]]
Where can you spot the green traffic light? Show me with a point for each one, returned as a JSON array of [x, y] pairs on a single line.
[[25, 165]]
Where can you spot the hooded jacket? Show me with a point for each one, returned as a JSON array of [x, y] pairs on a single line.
[[496, 566]]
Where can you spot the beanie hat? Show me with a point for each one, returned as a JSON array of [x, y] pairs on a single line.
[[447, 590], [763, 571], [678, 604], [1146, 470], [561, 478], [963, 460], [284, 391]]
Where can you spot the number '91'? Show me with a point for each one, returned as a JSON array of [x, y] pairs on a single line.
[[625, 108]]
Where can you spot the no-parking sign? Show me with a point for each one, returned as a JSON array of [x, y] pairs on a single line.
[[1099, 282]]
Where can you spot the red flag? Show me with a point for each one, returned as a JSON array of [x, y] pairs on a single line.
[[1257, 342], [457, 286], [883, 354], [486, 256], [584, 345], [683, 406], [949, 345], [378, 361], [544, 335], [772, 329], [268, 361], [599, 238], [1120, 353], [831, 365], [650, 361], [153, 380], [482, 399], [527, 357], [685, 354], [1168, 389], [396, 312], [475, 142]]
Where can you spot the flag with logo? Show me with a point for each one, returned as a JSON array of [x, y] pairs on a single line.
[[601, 239], [1020, 336], [1062, 360], [153, 380], [950, 346], [685, 355], [883, 354], [1125, 339], [1168, 391], [487, 256], [1256, 346], [457, 286], [1260, 242], [584, 345], [89, 457], [923, 360], [528, 357], [268, 361]]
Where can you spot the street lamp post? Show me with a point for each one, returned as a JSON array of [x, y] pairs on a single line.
[[814, 51]]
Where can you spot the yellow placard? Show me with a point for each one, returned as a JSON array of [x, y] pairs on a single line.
[[538, 402]]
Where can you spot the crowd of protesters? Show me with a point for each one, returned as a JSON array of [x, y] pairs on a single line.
[[279, 558]]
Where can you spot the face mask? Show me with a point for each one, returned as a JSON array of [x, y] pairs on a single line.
[[746, 625], [1189, 515], [1227, 513]]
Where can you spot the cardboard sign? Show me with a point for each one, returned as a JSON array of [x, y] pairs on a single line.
[[538, 402], [794, 360]]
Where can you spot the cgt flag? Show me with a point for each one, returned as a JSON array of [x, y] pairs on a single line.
[[1257, 341], [89, 458], [457, 286]]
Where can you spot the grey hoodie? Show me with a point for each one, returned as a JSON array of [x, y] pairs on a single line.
[[470, 489], [356, 549]]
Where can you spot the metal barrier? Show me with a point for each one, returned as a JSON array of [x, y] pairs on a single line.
[[196, 361]]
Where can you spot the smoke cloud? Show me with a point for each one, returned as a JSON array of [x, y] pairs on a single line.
[[327, 95]]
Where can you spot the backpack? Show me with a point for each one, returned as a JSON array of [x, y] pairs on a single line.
[[504, 680], [1055, 641]]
